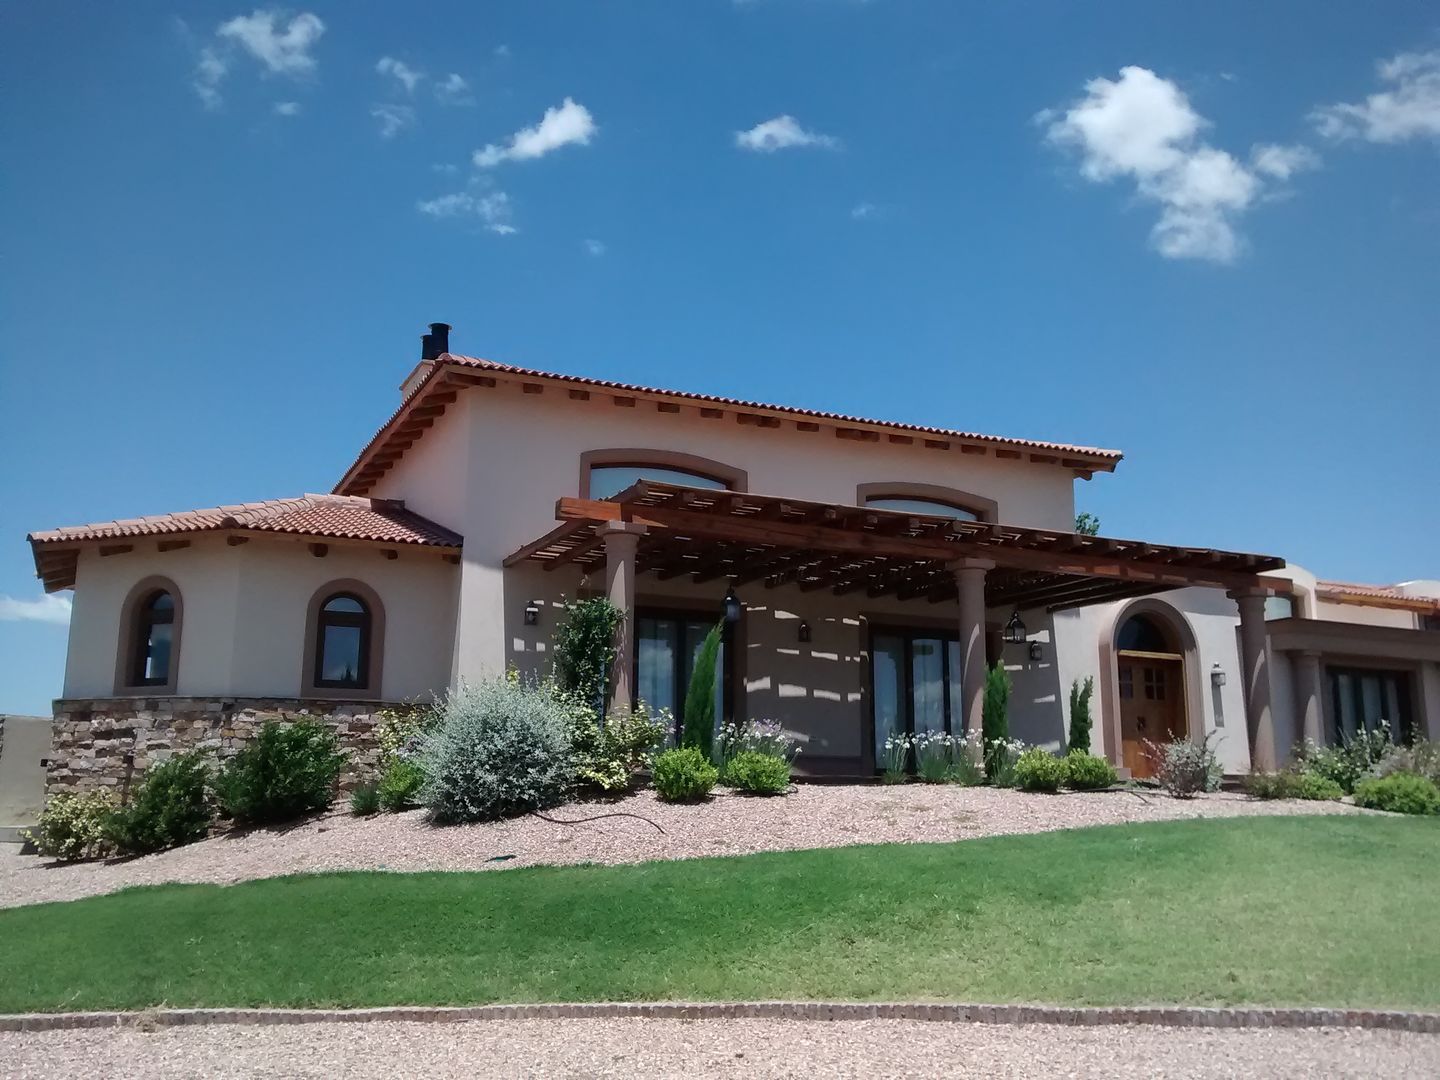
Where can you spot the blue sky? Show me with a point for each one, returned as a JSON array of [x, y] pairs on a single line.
[[1208, 235]]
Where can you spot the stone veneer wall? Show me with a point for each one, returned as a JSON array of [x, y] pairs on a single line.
[[106, 744]]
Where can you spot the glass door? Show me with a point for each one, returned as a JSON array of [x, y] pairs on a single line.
[[915, 684], [666, 648]]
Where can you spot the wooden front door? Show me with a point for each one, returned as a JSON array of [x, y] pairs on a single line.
[[1152, 705]]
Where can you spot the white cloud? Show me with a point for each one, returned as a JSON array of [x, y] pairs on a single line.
[[570, 123], [492, 208], [51, 608], [453, 90], [594, 247], [1282, 162], [1409, 109], [210, 71], [287, 108], [405, 75], [782, 133], [393, 119], [1142, 127], [864, 211], [283, 49]]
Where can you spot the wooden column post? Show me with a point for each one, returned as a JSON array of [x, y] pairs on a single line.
[[621, 540], [970, 579], [1311, 711], [1255, 667]]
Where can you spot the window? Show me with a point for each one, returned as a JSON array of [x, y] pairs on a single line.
[[344, 642], [1279, 607], [342, 650], [609, 480], [923, 506], [666, 645], [1362, 697], [1142, 634], [154, 640], [915, 680]]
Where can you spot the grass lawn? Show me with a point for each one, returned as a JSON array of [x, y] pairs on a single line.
[[1318, 910]]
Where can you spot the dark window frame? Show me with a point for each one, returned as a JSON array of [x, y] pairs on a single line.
[[681, 616], [364, 620], [1402, 728], [909, 634], [146, 618]]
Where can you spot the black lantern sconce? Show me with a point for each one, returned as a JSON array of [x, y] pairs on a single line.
[[1035, 653], [532, 613], [802, 632], [732, 607], [1015, 630]]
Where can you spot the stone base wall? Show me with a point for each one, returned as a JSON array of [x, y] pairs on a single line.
[[106, 744]]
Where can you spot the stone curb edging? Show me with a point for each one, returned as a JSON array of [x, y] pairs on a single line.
[[1158, 1016]]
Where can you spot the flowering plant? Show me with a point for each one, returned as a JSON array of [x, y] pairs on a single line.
[[754, 737], [942, 758], [1000, 758], [896, 755]]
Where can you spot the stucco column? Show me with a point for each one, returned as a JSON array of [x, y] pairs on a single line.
[[1255, 667], [621, 540], [1309, 711], [970, 580]]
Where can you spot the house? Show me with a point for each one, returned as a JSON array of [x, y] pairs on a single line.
[[866, 572]]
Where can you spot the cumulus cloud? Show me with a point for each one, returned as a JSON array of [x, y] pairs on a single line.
[[392, 119], [1142, 127], [782, 133], [287, 108], [1408, 109], [864, 211], [50, 608], [594, 247], [568, 123], [401, 72], [210, 71], [453, 90], [491, 208], [283, 48]]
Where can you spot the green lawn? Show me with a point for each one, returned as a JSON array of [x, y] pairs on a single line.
[[1323, 910]]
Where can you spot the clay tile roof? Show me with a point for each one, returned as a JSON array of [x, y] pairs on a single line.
[[1351, 588], [342, 517], [1383, 596]]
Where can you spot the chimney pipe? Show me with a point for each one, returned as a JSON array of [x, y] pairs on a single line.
[[436, 342]]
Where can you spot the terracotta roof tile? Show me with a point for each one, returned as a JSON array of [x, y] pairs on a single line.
[[1352, 588]]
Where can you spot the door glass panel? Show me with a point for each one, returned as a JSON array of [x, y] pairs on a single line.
[[957, 719], [927, 679], [1393, 715], [889, 685], [1345, 704], [655, 661]]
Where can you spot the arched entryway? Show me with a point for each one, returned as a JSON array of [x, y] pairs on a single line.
[[1153, 653]]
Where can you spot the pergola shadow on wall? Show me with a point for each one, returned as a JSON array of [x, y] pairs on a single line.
[[673, 531]]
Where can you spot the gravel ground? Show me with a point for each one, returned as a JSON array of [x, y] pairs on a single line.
[[812, 816], [750, 1048]]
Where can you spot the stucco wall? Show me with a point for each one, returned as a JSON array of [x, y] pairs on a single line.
[[244, 616]]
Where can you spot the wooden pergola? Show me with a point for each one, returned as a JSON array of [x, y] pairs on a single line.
[[705, 535]]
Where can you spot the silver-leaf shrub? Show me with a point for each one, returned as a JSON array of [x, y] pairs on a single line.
[[501, 748]]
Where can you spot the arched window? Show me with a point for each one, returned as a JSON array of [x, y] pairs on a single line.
[[932, 499], [606, 473], [148, 648], [924, 506], [154, 640], [1139, 633], [342, 643]]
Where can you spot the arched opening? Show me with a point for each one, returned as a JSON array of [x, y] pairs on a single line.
[[150, 624], [605, 473], [344, 641], [1151, 685]]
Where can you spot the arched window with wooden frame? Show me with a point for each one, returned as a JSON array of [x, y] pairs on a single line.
[[344, 641], [150, 624], [605, 473], [933, 499]]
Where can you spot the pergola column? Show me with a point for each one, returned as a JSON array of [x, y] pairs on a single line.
[[621, 540], [970, 580], [1255, 666], [1311, 713]]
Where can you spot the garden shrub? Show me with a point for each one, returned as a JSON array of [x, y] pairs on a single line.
[[942, 758], [1400, 793], [170, 807], [365, 800], [1351, 761], [1185, 768], [585, 650], [1422, 759], [895, 759], [1291, 784], [995, 706], [608, 756], [399, 731], [285, 771], [1039, 770], [761, 736], [698, 720], [399, 786], [1080, 722], [73, 827], [502, 748], [1000, 758], [757, 773], [683, 775], [1085, 771]]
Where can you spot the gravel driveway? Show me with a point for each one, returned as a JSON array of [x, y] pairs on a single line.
[[813, 816], [749, 1048]]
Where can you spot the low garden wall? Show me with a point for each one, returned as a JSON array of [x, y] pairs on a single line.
[[106, 744]]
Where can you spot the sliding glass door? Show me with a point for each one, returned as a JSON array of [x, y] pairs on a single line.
[[915, 682], [1362, 697], [666, 647]]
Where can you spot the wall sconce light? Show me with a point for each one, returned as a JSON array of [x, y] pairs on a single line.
[[1035, 650], [732, 606], [532, 613], [802, 632], [1015, 630], [1217, 676]]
